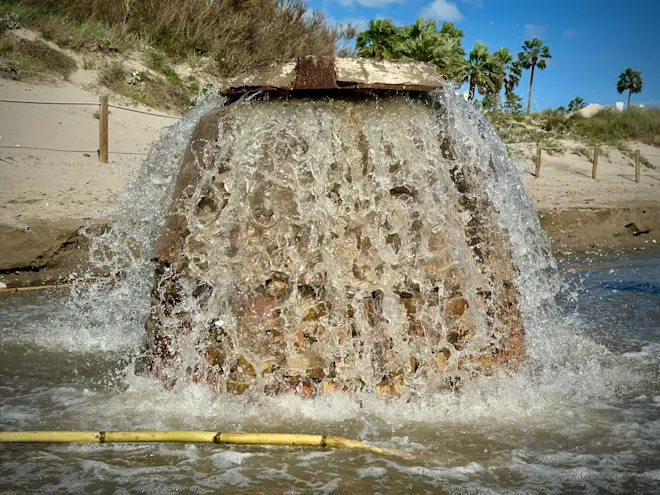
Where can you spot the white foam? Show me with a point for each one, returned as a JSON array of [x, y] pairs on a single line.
[[371, 472], [653, 475], [231, 477], [439, 475], [228, 458]]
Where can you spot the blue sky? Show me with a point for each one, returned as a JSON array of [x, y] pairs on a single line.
[[591, 41]]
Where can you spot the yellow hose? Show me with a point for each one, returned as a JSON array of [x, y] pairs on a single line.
[[140, 436]]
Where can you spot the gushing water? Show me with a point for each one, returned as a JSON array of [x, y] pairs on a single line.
[[123, 250], [343, 244], [321, 244], [581, 414]]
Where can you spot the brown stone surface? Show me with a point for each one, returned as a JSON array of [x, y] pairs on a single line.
[[492, 253], [176, 229]]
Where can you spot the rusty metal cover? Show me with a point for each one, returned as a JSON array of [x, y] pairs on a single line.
[[315, 73], [323, 73]]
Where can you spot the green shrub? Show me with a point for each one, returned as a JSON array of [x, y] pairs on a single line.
[[143, 88], [26, 59], [581, 151], [554, 121], [171, 75], [553, 147], [113, 76], [609, 127], [155, 60], [612, 126]]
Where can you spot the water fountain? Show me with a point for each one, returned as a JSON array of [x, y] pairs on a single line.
[[330, 230]]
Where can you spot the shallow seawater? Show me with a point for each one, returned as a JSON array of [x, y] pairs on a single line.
[[587, 421]]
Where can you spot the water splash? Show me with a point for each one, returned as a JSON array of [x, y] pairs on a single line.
[[322, 244], [537, 281], [579, 417], [112, 317], [423, 160]]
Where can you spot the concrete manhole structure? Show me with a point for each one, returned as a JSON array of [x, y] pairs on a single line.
[[327, 233]]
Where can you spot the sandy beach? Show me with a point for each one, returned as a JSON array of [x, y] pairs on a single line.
[[566, 182], [52, 183], [580, 214], [50, 168]]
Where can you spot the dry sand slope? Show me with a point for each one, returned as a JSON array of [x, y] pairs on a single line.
[[566, 182], [46, 195]]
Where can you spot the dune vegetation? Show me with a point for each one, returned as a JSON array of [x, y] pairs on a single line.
[[162, 53], [229, 34]]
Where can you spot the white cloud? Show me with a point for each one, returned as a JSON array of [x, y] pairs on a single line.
[[569, 33], [534, 31], [442, 10], [367, 3]]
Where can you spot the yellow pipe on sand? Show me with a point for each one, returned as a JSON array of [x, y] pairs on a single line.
[[182, 436]]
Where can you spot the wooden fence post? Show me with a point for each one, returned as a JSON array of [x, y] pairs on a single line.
[[595, 167], [538, 160], [637, 165], [103, 129]]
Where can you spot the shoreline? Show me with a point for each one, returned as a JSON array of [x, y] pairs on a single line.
[[43, 252], [617, 229]]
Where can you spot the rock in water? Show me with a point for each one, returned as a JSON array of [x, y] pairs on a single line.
[[321, 243]]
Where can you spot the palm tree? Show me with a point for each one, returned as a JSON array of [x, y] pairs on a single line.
[[630, 80], [450, 31], [421, 27], [513, 78], [448, 56], [534, 55], [422, 41], [418, 41], [576, 103], [378, 40], [506, 72], [479, 70]]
